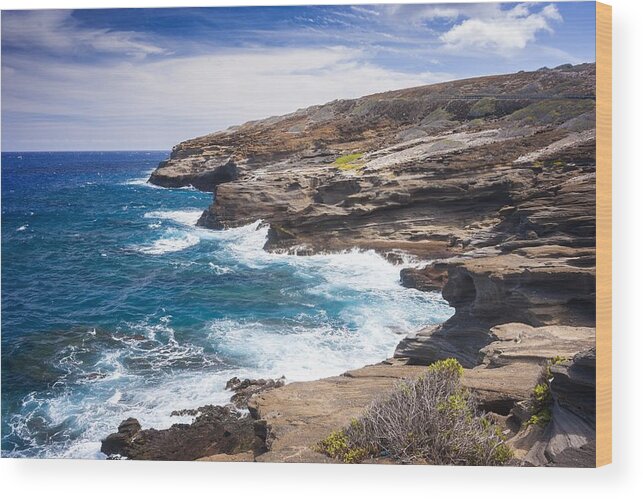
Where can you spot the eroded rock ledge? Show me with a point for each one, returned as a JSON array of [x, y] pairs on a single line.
[[491, 179]]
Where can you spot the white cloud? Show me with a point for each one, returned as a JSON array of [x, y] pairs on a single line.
[[501, 31], [57, 32], [154, 104], [421, 13]]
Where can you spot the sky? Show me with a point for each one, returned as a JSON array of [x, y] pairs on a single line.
[[143, 79]]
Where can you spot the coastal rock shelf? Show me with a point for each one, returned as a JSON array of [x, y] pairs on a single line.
[[492, 180]]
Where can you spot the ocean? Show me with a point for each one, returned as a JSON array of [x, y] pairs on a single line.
[[115, 305]]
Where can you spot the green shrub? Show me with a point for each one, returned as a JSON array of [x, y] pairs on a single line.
[[542, 394], [540, 405], [447, 366], [541, 418], [431, 419], [337, 445], [559, 359]]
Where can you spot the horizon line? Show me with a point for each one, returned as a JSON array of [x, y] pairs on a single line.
[[85, 150]]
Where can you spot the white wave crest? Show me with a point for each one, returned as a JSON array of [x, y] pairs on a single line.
[[184, 217], [170, 244], [219, 269]]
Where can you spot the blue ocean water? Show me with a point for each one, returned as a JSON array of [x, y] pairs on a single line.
[[115, 305]]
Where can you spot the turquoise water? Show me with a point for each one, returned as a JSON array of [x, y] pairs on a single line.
[[115, 305]]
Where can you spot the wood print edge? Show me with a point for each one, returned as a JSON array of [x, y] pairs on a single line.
[[604, 234]]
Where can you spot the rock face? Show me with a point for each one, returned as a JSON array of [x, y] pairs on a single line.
[[182, 173], [216, 430], [430, 278], [535, 286], [492, 179], [520, 343]]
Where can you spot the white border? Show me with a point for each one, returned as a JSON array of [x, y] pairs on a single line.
[[94, 480]]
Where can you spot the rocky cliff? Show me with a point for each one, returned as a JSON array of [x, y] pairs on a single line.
[[491, 179]]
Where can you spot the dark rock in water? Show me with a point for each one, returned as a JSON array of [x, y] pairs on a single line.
[[185, 412], [117, 443], [248, 387], [216, 430]]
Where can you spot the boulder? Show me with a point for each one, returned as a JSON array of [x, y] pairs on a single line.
[[118, 443]]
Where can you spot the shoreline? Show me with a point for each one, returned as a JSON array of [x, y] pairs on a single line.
[[499, 194], [349, 393]]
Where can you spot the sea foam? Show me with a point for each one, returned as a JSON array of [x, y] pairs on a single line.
[[185, 217], [173, 242]]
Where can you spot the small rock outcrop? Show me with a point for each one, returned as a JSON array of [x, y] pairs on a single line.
[[521, 343], [487, 291], [430, 278], [244, 389], [215, 430]]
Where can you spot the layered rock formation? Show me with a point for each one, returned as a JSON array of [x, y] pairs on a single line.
[[428, 170], [492, 179]]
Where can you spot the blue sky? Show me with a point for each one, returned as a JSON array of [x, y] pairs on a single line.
[[149, 78]]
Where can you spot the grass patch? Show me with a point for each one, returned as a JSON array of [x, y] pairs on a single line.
[[552, 111], [433, 419], [350, 162], [438, 115], [483, 107]]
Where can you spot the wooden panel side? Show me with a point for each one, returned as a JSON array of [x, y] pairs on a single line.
[[603, 234]]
